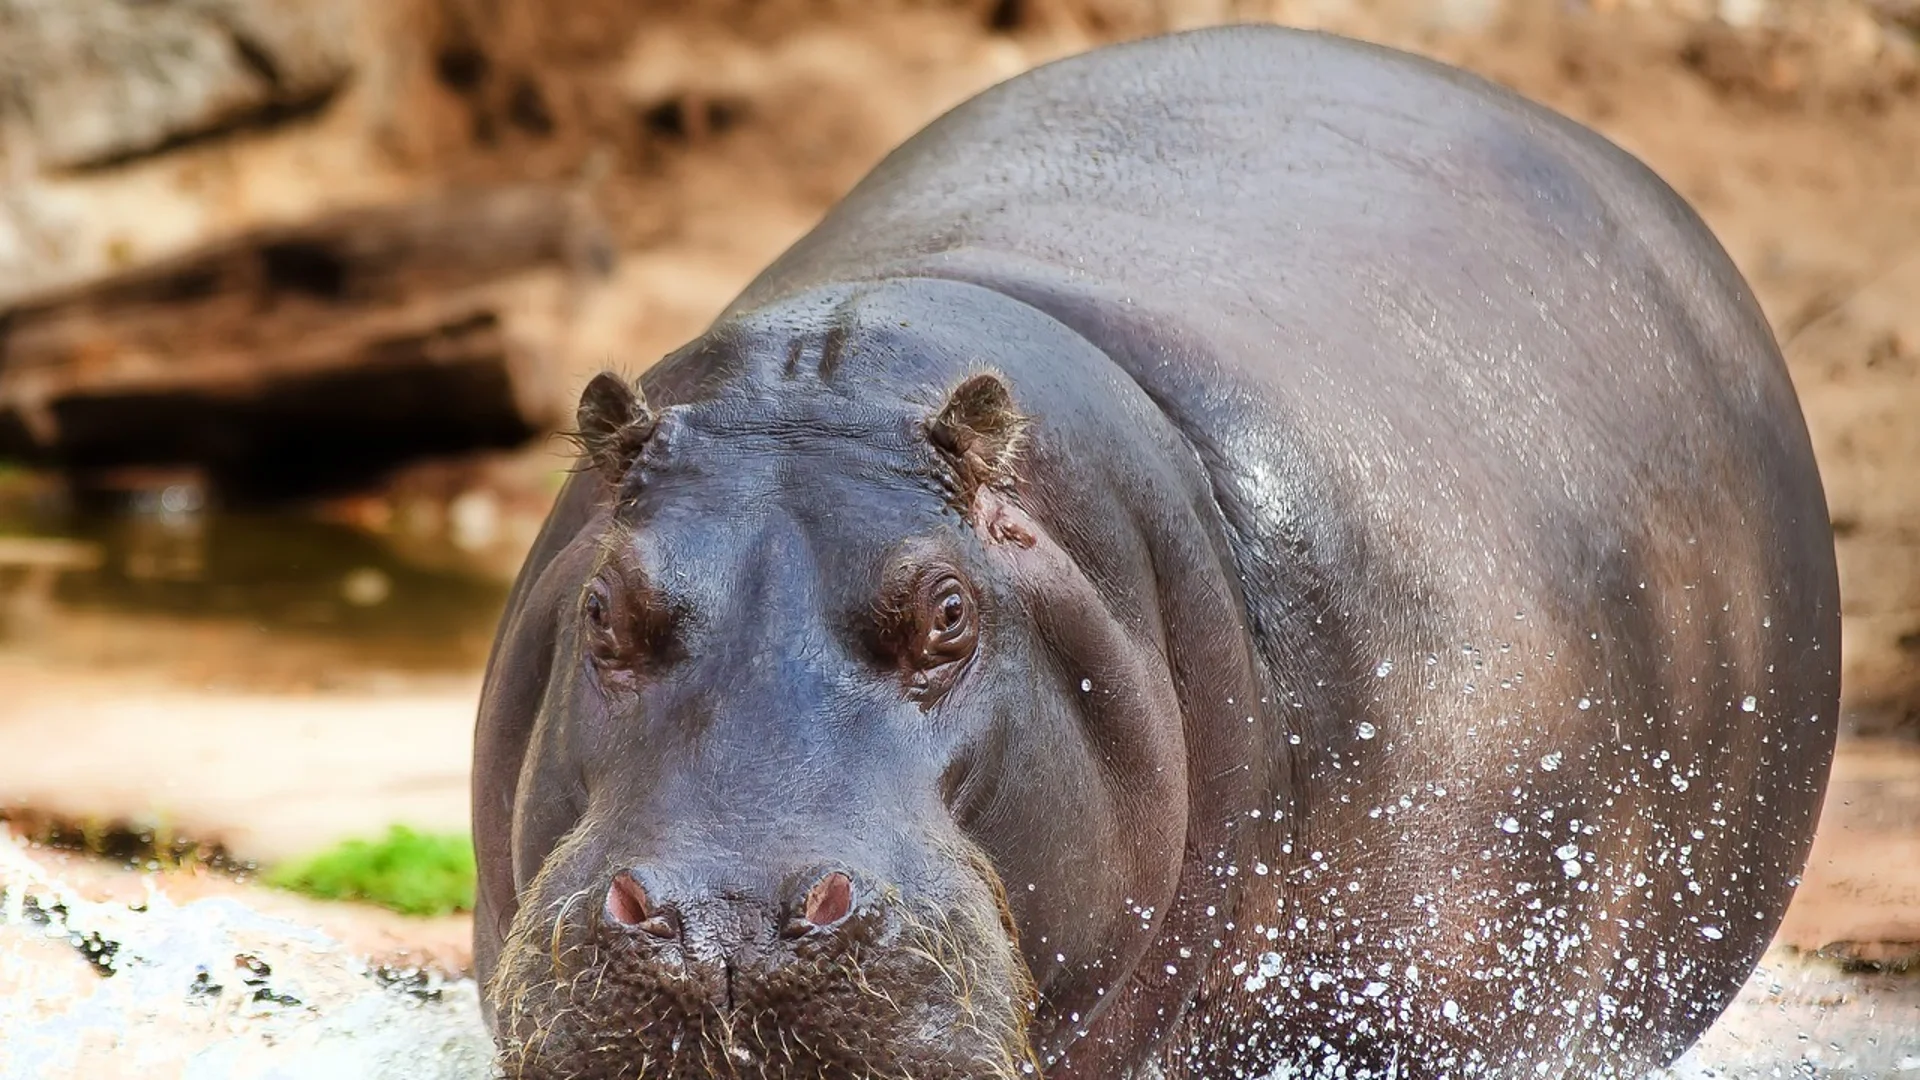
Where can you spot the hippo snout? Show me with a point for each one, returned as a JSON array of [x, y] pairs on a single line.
[[737, 970], [721, 944]]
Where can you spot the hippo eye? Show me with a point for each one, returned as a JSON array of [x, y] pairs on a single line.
[[949, 623], [953, 609], [602, 636], [930, 628]]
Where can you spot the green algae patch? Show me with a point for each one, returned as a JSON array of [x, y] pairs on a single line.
[[411, 872]]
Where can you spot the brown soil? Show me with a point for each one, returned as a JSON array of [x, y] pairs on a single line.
[[721, 131]]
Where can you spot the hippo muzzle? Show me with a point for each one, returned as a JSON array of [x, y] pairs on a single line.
[[651, 971]]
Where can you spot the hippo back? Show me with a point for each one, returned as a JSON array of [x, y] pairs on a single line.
[[1530, 532]]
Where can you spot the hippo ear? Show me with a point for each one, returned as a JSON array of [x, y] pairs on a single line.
[[614, 424], [979, 432]]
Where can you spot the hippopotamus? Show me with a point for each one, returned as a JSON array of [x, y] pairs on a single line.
[[1237, 553]]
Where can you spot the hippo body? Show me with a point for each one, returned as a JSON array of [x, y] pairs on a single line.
[[1390, 624]]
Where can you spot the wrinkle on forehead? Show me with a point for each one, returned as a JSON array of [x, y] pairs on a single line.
[[800, 447]]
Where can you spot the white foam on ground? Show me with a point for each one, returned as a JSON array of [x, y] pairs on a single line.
[[293, 1004]]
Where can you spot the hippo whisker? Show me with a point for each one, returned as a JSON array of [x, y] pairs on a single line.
[[585, 986], [559, 927]]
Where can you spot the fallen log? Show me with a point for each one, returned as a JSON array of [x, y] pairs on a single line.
[[304, 355]]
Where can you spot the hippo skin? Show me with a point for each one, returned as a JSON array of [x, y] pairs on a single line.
[[1240, 553]]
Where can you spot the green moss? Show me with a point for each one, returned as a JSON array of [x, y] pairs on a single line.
[[410, 872]]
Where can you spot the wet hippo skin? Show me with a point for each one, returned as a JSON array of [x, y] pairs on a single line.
[[1236, 551]]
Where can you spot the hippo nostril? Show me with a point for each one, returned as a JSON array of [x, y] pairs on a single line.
[[630, 908], [627, 901], [829, 900]]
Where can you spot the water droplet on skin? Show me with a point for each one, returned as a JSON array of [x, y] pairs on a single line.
[[1509, 825], [1749, 703], [1569, 851], [1383, 670], [1551, 761], [1365, 730], [1679, 782], [1585, 704], [1711, 933], [1450, 1009], [1293, 740], [1086, 686], [1571, 868]]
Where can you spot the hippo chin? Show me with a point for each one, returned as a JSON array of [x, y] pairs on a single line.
[[1233, 554]]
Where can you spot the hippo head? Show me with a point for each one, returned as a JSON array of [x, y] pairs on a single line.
[[809, 749]]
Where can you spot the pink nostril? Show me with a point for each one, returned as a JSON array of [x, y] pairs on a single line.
[[627, 902], [829, 900]]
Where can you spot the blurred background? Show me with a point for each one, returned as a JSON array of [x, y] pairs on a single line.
[[294, 293]]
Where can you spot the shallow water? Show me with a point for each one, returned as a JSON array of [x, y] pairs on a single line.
[[409, 601]]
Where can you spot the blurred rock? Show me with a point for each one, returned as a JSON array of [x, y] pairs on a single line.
[[91, 82], [302, 355], [1860, 407]]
